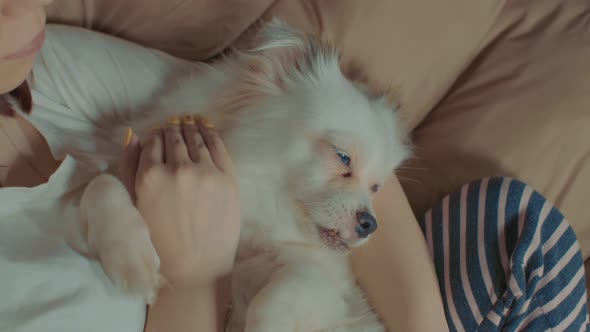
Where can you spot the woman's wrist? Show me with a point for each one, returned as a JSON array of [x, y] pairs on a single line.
[[202, 304], [218, 289]]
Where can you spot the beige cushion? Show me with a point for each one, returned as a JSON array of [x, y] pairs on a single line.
[[522, 109], [193, 30]]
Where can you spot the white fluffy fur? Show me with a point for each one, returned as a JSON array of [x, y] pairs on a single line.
[[284, 110]]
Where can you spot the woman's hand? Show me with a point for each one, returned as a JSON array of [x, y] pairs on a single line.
[[186, 190]]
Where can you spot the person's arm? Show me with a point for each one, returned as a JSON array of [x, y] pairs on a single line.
[[395, 268], [170, 26], [189, 308], [200, 202]]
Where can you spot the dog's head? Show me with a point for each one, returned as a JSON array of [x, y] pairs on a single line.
[[354, 148], [337, 144]]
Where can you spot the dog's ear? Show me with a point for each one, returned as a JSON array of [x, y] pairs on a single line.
[[284, 55], [390, 117]]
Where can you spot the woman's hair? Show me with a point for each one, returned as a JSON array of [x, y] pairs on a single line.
[[23, 97]]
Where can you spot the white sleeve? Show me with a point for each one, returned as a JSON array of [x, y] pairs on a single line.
[[82, 77]]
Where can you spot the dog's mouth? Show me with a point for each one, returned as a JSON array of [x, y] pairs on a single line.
[[332, 239]]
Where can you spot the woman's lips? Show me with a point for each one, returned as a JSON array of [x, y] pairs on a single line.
[[32, 48]]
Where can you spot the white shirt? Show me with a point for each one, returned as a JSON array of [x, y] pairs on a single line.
[[80, 77]]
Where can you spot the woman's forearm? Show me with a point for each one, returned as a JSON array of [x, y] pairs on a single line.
[[192, 308], [396, 270]]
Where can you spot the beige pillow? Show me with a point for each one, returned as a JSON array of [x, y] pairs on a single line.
[[522, 109], [194, 30]]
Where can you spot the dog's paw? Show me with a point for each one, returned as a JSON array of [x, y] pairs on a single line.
[[133, 264]]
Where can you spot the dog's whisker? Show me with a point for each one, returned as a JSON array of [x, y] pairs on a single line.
[[413, 168], [420, 158], [407, 179]]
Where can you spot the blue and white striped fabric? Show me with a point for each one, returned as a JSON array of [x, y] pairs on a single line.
[[506, 259]]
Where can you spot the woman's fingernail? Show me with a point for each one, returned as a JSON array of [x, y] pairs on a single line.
[[128, 136], [206, 123], [188, 119], [173, 120]]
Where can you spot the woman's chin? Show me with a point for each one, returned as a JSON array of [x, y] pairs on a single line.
[[14, 72]]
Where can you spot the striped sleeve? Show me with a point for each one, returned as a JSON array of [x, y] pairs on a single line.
[[506, 259]]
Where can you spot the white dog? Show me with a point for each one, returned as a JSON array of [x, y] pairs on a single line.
[[310, 148]]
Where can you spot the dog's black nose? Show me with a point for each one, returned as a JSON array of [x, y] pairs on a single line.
[[367, 224]]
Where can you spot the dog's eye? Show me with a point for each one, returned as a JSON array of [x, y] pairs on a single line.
[[375, 188], [345, 159]]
